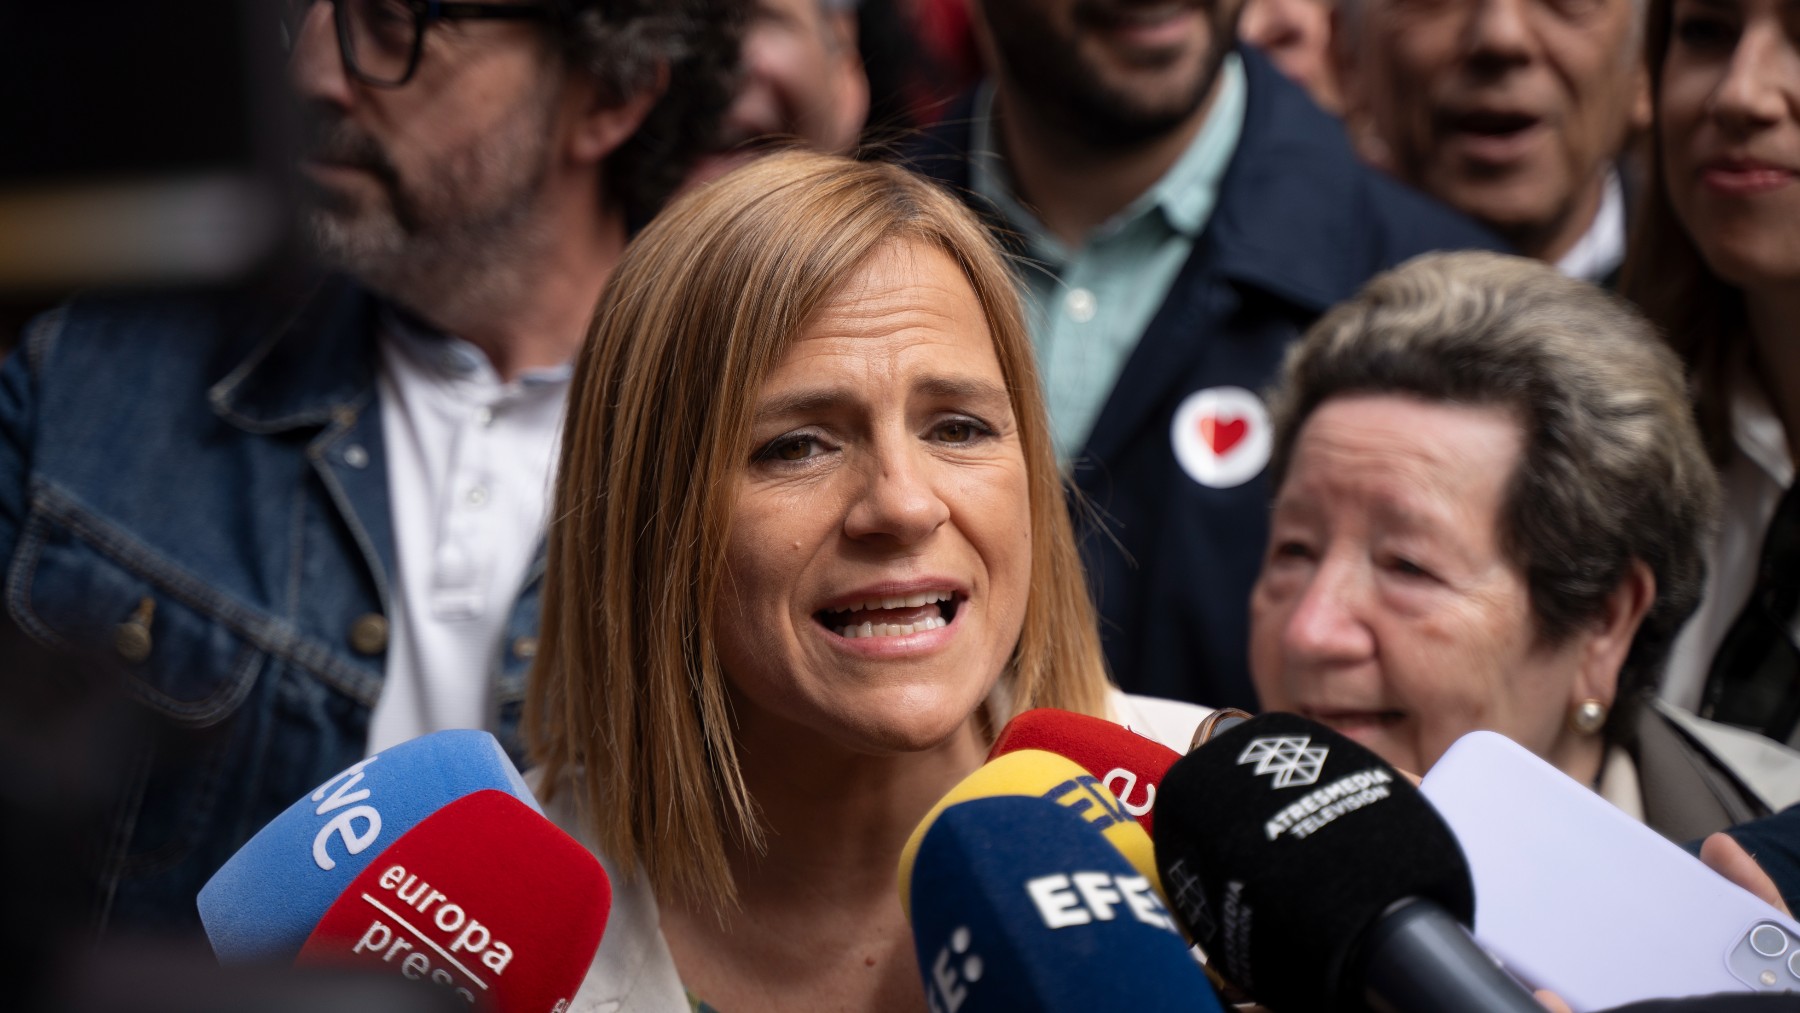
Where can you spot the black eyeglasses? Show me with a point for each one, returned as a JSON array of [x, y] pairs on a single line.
[[380, 39]]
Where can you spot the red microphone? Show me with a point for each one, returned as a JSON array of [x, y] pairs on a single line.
[[485, 897], [1128, 764]]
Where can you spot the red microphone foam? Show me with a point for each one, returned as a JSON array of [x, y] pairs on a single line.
[[485, 897], [1128, 764]]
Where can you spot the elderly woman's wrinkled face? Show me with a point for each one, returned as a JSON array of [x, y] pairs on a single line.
[[1386, 607], [880, 551]]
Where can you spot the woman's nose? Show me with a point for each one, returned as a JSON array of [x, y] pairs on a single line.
[[1327, 623], [899, 501], [1750, 94]]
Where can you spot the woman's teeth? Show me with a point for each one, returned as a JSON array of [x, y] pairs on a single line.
[[892, 615], [898, 602], [891, 629]]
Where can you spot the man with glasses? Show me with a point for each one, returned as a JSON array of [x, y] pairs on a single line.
[[306, 531]]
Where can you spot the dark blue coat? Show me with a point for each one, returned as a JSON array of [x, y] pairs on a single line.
[[1300, 224]]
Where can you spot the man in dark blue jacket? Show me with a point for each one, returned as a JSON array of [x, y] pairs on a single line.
[[1185, 212]]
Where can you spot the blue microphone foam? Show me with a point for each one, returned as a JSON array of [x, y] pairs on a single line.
[[265, 900], [1018, 904]]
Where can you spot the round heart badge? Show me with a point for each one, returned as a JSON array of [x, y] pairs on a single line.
[[1221, 436]]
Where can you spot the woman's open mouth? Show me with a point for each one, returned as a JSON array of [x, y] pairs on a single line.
[[892, 616]]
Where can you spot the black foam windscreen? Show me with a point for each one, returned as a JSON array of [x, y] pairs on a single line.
[[1281, 842]]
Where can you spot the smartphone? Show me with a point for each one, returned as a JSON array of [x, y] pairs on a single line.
[[1573, 895]]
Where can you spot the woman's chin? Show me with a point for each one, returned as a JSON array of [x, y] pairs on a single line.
[[921, 727]]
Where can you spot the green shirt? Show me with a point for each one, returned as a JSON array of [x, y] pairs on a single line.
[[1088, 306]]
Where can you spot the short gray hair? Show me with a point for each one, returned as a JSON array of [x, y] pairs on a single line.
[[1612, 469]]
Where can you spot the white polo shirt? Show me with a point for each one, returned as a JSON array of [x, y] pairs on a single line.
[[469, 462]]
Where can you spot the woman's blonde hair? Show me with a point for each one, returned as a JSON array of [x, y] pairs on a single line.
[[627, 699]]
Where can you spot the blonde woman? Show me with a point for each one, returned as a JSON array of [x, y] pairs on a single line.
[[809, 551]]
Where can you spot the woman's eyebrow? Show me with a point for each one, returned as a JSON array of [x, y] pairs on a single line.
[[808, 401], [803, 402], [960, 388]]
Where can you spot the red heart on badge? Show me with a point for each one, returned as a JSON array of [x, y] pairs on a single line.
[[1222, 434]]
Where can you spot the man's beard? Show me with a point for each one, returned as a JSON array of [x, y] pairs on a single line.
[[459, 237], [1050, 67]]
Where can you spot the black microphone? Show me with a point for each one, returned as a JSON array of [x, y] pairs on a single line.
[[1316, 877]]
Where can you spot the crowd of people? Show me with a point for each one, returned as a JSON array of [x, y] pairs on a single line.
[[1417, 368]]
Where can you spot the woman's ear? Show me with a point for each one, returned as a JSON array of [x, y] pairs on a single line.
[[1609, 640]]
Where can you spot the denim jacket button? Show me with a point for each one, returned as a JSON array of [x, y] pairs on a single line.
[[369, 633], [132, 641], [131, 638], [525, 648]]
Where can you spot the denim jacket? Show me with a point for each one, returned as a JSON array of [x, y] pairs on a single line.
[[195, 487]]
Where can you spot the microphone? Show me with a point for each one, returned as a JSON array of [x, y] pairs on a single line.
[[485, 897], [1051, 777], [1128, 764], [265, 900], [1316, 877], [1017, 905]]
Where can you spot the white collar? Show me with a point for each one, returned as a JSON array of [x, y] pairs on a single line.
[[1754, 427], [1601, 249]]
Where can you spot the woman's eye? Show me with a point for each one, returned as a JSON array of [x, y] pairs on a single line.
[[959, 431], [1408, 568], [1290, 550], [790, 448], [1704, 33], [956, 432]]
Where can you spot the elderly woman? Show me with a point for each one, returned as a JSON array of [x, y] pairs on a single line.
[[1715, 262], [1490, 506], [808, 554]]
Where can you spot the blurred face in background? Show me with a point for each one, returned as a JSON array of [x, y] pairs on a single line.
[[1114, 71], [1297, 36], [1730, 124], [1509, 110], [410, 187], [802, 79], [879, 560]]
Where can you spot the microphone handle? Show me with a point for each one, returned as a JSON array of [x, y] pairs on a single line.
[[1418, 959]]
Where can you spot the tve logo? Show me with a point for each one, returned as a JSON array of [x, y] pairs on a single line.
[[954, 970], [344, 823]]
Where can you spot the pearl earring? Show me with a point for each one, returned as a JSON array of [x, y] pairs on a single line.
[[1587, 716]]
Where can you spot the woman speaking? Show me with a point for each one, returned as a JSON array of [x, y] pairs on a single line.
[[809, 552]]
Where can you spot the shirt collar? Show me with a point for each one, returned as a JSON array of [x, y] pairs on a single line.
[[453, 359], [1601, 249], [1185, 195], [1755, 428]]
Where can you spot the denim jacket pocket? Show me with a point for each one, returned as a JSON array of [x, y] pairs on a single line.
[[79, 584]]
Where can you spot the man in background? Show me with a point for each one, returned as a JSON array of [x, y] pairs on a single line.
[[308, 529], [1185, 212], [802, 81], [1513, 111]]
